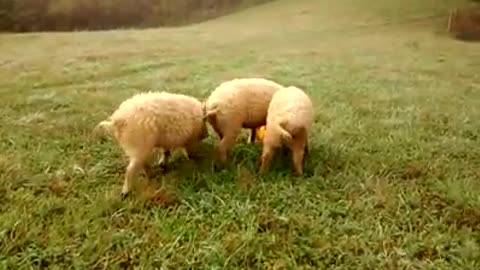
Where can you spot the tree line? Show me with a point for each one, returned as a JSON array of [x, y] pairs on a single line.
[[69, 15]]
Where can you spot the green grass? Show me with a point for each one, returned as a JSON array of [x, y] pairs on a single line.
[[392, 181]]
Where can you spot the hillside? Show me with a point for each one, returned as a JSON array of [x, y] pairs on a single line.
[[71, 15], [391, 181]]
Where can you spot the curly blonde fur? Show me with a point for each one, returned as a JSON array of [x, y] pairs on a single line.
[[236, 104], [155, 120], [290, 117]]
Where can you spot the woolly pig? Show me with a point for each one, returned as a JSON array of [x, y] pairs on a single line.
[[155, 120], [237, 104], [290, 117]]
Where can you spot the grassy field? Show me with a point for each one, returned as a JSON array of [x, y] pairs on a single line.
[[392, 181]]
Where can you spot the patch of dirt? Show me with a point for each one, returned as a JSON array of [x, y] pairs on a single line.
[[58, 186], [433, 201], [426, 253], [161, 197], [464, 217], [455, 214], [413, 171]]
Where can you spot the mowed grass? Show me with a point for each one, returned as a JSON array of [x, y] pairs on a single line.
[[392, 180]]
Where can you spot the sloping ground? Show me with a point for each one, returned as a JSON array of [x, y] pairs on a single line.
[[279, 27], [70, 15], [391, 182]]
